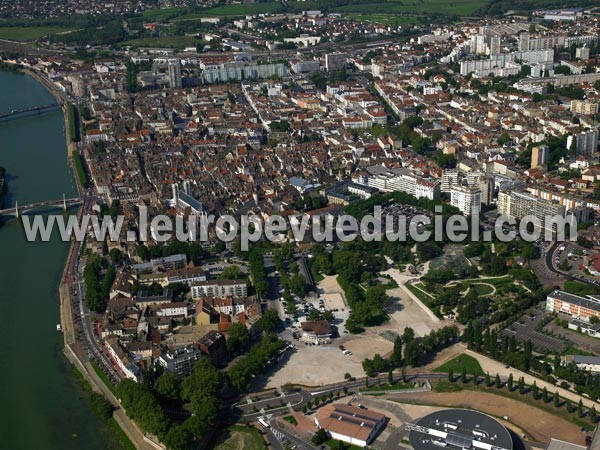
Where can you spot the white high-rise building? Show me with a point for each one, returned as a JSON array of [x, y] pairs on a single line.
[[478, 44], [449, 179], [466, 199]]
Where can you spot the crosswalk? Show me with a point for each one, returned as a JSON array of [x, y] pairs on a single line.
[[278, 434]]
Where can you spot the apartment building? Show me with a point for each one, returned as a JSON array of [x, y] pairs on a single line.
[[163, 264], [449, 179], [240, 71], [526, 42], [122, 359], [521, 204], [585, 143], [335, 61], [467, 199], [180, 361], [539, 156], [220, 288], [400, 179], [487, 186], [584, 107]]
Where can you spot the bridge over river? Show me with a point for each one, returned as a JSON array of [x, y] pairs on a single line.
[[65, 203], [22, 112]]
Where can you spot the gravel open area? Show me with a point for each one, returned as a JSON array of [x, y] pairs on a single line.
[[323, 364], [315, 366], [404, 312]]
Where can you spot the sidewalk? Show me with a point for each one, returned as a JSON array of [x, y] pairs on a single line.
[[132, 431], [492, 366]]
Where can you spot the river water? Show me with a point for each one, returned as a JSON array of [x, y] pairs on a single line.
[[42, 404]]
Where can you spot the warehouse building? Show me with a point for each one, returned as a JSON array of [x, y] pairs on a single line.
[[347, 423], [456, 429]]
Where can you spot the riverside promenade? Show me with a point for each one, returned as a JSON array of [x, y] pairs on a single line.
[[76, 351]]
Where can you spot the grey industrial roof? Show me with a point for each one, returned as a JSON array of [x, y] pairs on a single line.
[[467, 421], [580, 359], [575, 299]]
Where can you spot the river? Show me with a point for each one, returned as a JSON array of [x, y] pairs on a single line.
[[42, 404]]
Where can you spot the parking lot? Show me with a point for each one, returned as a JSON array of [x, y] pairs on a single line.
[[526, 331], [582, 341]]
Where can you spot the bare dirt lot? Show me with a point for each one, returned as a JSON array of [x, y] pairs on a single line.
[[324, 364], [315, 365], [334, 301], [329, 285], [404, 312], [540, 424]]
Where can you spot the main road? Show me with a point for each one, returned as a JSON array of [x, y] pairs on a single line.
[[90, 347], [550, 258]]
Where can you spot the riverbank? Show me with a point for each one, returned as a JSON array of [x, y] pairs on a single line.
[[40, 392], [66, 303], [2, 184], [62, 99]]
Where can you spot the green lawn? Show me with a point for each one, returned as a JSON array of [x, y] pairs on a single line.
[[498, 281], [163, 41], [332, 443], [359, 11], [482, 289], [450, 7], [480, 284], [244, 9], [291, 419], [156, 15], [386, 19], [236, 437], [29, 33], [417, 289], [458, 363], [446, 386], [582, 289]]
